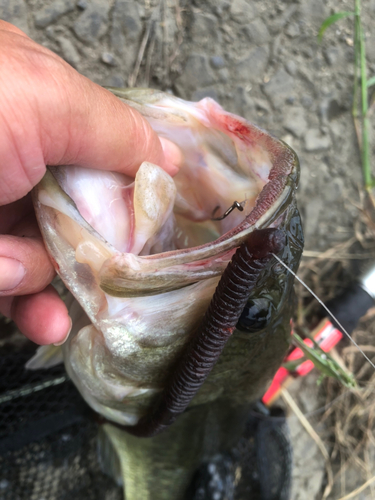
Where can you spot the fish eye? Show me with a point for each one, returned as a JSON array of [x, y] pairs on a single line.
[[255, 315]]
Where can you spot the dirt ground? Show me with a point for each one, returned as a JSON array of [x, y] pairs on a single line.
[[262, 60]]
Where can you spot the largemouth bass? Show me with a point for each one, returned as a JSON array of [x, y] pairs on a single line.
[[143, 256]]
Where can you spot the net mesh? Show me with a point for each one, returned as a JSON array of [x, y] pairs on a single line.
[[47, 434], [48, 445]]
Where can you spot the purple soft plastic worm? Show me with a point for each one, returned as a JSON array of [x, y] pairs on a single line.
[[217, 326]]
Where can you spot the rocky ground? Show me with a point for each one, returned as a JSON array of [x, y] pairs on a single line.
[[262, 60]]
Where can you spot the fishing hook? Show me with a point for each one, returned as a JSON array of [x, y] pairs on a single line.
[[236, 204]]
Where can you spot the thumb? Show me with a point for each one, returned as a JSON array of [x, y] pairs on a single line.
[[50, 114]]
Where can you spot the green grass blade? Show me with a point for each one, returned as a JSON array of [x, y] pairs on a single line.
[[371, 82], [327, 366], [331, 20]]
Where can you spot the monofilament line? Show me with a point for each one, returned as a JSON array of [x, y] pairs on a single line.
[[328, 311]]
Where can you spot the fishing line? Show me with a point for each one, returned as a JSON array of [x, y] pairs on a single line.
[[326, 308]]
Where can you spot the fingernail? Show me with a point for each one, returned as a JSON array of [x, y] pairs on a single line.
[[173, 156], [66, 336], [11, 273]]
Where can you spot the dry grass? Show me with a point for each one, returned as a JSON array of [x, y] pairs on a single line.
[[349, 414], [159, 15], [352, 412]]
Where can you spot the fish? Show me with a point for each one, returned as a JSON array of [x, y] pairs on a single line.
[[142, 258]]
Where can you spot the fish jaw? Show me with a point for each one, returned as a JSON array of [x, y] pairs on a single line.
[[141, 310]]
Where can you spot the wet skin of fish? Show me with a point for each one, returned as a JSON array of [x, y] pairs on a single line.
[[142, 258]]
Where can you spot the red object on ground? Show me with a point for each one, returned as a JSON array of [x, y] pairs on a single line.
[[326, 335]]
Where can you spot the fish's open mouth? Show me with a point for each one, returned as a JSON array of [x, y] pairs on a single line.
[[226, 159], [143, 256]]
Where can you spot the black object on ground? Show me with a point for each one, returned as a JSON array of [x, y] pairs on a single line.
[[258, 468]]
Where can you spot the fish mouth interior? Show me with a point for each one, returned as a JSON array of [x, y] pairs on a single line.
[[225, 161], [213, 177], [216, 172]]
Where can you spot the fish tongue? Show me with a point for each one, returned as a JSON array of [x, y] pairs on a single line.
[[154, 197]]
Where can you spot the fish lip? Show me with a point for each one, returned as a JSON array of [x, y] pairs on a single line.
[[259, 218]]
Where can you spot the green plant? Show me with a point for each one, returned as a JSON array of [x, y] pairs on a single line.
[[327, 366], [360, 110]]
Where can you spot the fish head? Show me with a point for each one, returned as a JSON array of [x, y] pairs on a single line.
[[142, 257]]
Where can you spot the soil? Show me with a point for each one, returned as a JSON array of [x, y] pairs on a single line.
[[262, 60]]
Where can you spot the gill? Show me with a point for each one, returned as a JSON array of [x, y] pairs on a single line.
[[326, 309]]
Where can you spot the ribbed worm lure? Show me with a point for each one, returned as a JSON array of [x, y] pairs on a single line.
[[218, 324]]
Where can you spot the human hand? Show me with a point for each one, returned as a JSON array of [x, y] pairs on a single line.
[[52, 115]]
